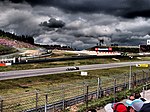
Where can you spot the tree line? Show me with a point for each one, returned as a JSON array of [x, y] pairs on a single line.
[[23, 38]]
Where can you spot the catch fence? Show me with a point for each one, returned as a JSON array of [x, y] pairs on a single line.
[[56, 99]]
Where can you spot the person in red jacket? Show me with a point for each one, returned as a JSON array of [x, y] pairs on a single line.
[[120, 107]]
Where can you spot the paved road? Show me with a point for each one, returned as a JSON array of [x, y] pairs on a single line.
[[46, 71]]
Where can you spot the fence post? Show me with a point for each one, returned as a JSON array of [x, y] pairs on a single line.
[[146, 77], [114, 90], [1, 100], [135, 79], [143, 77], [125, 85], [129, 81], [36, 101], [63, 97], [87, 90], [99, 88], [132, 81], [53, 107], [144, 91], [46, 102], [146, 85], [125, 81], [84, 92]]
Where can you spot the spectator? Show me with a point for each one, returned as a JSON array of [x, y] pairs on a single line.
[[136, 104], [132, 96], [130, 109], [117, 107], [120, 107], [138, 96], [108, 107], [145, 107]]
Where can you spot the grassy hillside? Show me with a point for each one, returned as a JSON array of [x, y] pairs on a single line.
[[10, 43], [6, 50]]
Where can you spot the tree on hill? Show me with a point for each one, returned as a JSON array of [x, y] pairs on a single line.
[[23, 38]]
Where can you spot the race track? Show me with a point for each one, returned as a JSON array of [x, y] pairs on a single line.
[[56, 70]]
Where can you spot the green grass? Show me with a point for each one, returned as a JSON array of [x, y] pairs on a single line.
[[43, 82], [20, 93], [6, 50], [65, 63]]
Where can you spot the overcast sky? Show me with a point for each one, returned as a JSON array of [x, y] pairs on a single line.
[[79, 23]]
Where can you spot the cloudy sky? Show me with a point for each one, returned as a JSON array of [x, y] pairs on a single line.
[[80, 23]]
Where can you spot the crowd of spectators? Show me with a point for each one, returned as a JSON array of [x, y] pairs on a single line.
[[134, 103]]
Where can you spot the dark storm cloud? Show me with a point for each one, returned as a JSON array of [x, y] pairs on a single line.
[[86, 22], [143, 13], [53, 23], [85, 6], [124, 8], [20, 19]]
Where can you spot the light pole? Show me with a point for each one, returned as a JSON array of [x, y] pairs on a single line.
[[130, 72]]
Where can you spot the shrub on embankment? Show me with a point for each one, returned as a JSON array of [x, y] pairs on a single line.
[[6, 50]]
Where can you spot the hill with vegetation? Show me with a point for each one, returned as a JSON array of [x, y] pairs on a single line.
[[23, 38], [10, 43], [6, 50], [15, 43]]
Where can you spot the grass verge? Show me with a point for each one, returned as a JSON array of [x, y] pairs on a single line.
[[68, 63], [44, 82]]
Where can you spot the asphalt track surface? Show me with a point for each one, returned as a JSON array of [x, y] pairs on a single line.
[[57, 70]]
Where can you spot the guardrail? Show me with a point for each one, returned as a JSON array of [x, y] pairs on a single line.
[[63, 59]]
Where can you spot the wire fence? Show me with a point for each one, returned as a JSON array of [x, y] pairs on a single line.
[[57, 99]]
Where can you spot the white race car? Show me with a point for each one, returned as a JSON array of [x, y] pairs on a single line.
[[72, 68]]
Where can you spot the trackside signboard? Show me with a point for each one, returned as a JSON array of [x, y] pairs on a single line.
[[148, 42], [83, 73], [141, 65], [103, 49]]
